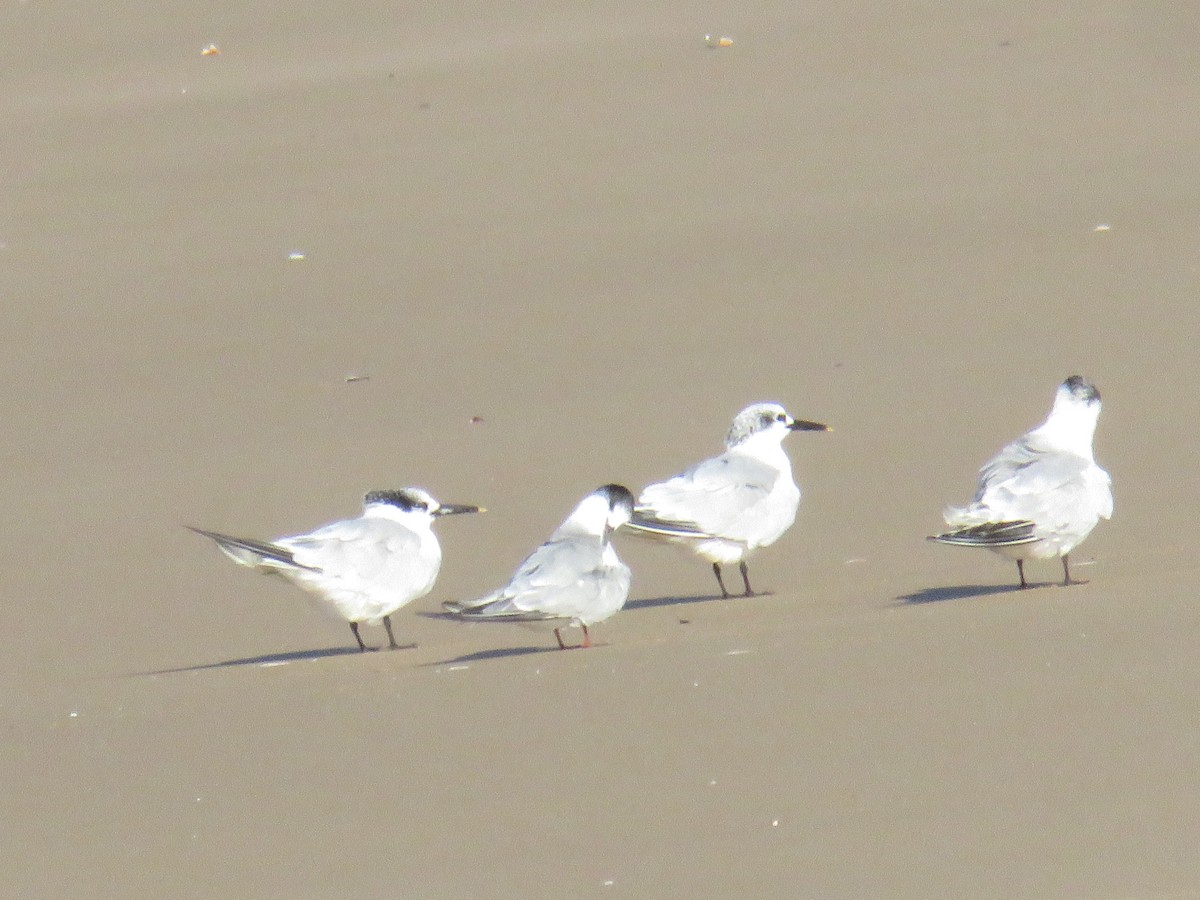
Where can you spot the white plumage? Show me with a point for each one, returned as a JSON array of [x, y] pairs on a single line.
[[728, 506], [575, 578], [362, 569], [1042, 494]]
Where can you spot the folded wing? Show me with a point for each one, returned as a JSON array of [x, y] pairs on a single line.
[[563, 578], [715, 497]]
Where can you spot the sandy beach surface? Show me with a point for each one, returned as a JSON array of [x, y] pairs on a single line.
[[242, 289]]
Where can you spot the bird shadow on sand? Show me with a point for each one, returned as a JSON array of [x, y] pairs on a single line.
[[654, 602], [964, 592], [267, 659], [646, 603], [500, 653]]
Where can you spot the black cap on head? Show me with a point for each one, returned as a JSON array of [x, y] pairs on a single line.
[[402, 499], [617, 494], [1082, 389]]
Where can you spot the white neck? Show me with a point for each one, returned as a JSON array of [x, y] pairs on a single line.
[[589, 518], [1070, 426], [765, 445], [417, 521]]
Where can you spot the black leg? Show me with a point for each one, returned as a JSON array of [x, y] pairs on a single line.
[[720, 581], [745, 577], [361, 646], [1021, 572], [1067, 579], [387, 623], [558, 637]]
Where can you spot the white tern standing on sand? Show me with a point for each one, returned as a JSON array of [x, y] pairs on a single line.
[[732, 504], [1042, 494], [575, 578], [361, 569]]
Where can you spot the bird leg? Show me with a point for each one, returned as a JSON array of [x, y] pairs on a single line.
[[587, 638], [387, 623], [1067, 579], [745, 570], [720, 581], [558, 637], [361, 646], [1021, 572]]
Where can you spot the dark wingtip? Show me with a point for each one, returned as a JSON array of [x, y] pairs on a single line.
[[990, 534]]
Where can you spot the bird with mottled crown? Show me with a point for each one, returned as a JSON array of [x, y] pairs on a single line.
[[725, 508], [361, 569], [1041, 495]]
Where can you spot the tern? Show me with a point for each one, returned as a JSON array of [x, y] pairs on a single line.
[[361, 569], [726, 507], [1040, 496], [575, 578]]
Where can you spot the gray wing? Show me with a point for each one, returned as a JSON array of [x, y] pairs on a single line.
[[1030, 482], [362, 552], [558, 580], [707, 499], [1027, 480]]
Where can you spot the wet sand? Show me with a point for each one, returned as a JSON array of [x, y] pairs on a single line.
[[603, 239]]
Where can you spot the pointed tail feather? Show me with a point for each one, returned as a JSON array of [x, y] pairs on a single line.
[[250, 552], [990, 534], [467, 607], [493, 607], [645, 524]]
